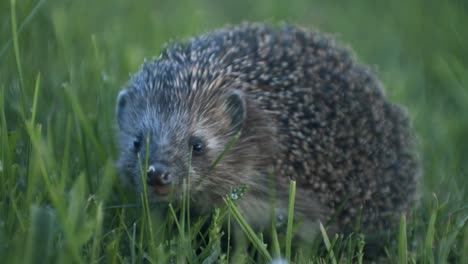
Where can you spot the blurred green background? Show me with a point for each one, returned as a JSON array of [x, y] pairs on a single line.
[[84, 52]]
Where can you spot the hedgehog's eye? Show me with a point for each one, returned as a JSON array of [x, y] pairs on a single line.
[[136, 145], [198, 147]]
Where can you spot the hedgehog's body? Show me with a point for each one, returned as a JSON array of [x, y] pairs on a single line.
[[305, 111]]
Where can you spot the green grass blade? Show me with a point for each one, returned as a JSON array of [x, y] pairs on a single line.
[[133, 245], [226, 149], [289, 231], [6, 152], [65, 168], [36, 95], [430, 235], [174, 216], [274, 234], [327, 244], [14, 32], [361, 243], [402, 241], [229, 233], [97, 236], [256, 241], [275, 242], [144, 194]]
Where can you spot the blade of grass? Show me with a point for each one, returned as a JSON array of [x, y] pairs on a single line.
[[274, 234], [133, 244], [289, 230], [335, 246], [32, 179], [64, 171], [36, 95], [402, 241], [176, 221], [327, 244], [186, 196], [144, 195], [361, 244], [95, 250], [430, 233], [228, 254], [225, 151], [259, 245], [14, 33], [6, 153], [274, 241]]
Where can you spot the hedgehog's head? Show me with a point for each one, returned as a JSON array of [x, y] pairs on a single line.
[[182, 124]]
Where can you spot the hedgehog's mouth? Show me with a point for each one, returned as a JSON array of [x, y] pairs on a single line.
[[162, 193], [161, 190]]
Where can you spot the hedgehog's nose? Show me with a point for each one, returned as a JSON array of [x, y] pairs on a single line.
[[158, 176]]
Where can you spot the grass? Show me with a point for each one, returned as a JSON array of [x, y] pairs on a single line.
[[62, 64]]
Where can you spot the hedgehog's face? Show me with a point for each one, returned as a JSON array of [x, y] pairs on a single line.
[[166, 137]]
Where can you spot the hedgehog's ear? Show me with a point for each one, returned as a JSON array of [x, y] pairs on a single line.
[[121, 111], [235, 107]]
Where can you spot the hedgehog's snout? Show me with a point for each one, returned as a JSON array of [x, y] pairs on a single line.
[[158, 175]]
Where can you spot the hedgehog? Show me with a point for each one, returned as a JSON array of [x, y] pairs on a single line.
[[299, 107]]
